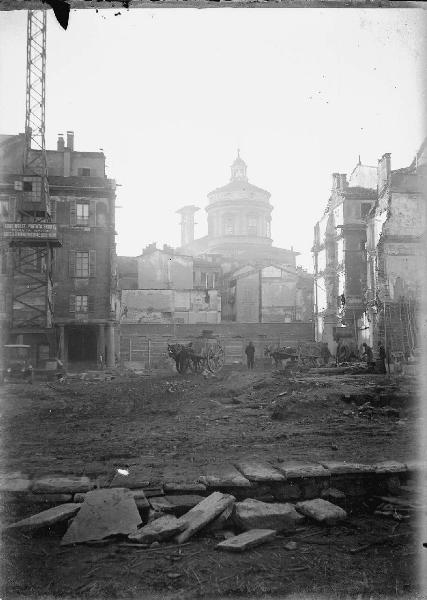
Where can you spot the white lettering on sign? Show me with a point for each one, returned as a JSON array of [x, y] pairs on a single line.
[[30, 230]]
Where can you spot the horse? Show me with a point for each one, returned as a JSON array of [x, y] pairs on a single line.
[[281, 356]]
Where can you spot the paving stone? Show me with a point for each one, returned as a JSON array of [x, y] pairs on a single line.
[[103, 513], [389, 466], [253, 514], [203, 513], [135, 479], [247, 540], [62, 485], [183, 503], [322, 511], [183, 488], [14, 482], [338, 468], [48, 498], [297, 469], [159, 503], [46, 518], [259, 471], [158, 530], [223, 476]]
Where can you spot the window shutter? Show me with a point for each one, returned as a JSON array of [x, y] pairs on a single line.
[[92, 213], [92, 263], [91, 304], [73, 213], [12, 208], [53, 210], [72, 307], [72, 263]]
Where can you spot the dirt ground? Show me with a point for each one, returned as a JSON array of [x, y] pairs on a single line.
[[174, 427]]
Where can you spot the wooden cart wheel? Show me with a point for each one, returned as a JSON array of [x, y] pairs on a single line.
[[215, 359]]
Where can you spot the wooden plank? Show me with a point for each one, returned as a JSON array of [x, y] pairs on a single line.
[[203, 513], [247, 540]]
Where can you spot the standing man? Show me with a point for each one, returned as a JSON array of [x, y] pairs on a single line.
[[369, 356], [382, 357], [250, 355]]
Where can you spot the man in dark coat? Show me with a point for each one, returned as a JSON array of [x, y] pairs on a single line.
[[250, 355], [381, 360], [369, 356]]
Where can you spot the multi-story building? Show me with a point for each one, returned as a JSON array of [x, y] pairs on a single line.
[[395, 254], [340, 256], [83, 280]]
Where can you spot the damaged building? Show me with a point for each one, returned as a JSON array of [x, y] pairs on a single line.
[[83, 297]]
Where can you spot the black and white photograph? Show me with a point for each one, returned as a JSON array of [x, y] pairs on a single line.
[[213, 300]]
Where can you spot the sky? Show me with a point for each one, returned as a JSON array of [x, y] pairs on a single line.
[[170, 94]]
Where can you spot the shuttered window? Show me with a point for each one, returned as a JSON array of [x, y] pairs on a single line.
[[82, 264], [73, 213], [92, 263], [81, 304], [82, 214], [72, 263]]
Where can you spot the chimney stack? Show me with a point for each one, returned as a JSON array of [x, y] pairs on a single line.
[[70, 140], [60, 145]]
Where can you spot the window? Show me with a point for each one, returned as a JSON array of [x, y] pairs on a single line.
[[365, 207], [4, 210], [252, 225], [83, 172], [82, 264], [81, 304], [82, 214], [28, 186]]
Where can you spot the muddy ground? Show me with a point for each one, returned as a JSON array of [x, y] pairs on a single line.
[[173, 427]]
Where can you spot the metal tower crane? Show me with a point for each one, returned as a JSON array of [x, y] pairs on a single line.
[[33, 235]]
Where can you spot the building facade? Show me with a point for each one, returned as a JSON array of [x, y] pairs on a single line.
[[84, 278]]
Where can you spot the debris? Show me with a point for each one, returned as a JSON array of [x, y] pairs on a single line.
[[160, 504], [297, 469], [203, 513], [333, 494], [222, 520], [253, 514], [45, 518], [133, 479], [103, 513], [247, 540], [290, 546], [62, 485], [157, 531], [259, 471], [183, 488], [321, 511], [180, 504]]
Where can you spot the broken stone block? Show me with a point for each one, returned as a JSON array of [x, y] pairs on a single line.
[[134, 479], [222, 521], [224, 476], [290, 546], [298, 470], [287, 491], [159, 503], [332, 494], [259, 471], [322, 511], [343, 468], [253, 514], [183, 488], [62, 485], [249, 539], [183, 503], [48, 498], [389, 466], [103, 513], [14, 482], [46, 518], [203, 513], [158, 530]]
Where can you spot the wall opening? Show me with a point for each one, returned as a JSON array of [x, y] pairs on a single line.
[[82, 344]]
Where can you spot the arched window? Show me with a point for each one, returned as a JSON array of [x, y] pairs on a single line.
[[228, 224], [252, 224]]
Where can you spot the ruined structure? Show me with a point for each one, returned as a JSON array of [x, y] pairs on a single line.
[[83, 279]]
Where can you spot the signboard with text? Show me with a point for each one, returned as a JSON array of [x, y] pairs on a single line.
[[30, 230]]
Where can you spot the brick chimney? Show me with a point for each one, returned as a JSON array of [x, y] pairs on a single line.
[[60, 145], [70, 140]]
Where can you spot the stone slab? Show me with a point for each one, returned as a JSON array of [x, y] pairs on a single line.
[[343, 467], [247, 540], [299, 469], [158, 530], [222, 521], [389, 466], [47, 498], [322, 511], [259, 471], [159, 503], [254, 514], [14, 482], [103, 513], [183, 488], [45, 518], [136, 479], [223, 476], [62, 485], [203, 513]]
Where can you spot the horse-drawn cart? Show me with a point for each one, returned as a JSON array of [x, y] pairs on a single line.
[[205, 354], [301, 356]]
